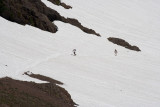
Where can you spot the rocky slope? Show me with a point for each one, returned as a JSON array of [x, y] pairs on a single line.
[[14, 93], [37, 14]]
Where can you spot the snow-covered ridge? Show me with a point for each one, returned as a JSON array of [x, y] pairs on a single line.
[[95, 77]]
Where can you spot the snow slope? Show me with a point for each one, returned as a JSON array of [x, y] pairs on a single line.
[[95, 77]]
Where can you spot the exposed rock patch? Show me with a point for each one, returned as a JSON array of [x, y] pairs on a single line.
[[37, 14], [76, 23], [43, 78], [56, 2], [65, 6], [59, 3], [14, 93], [123, 43]]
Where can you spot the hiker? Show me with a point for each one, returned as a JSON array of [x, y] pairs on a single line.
[[74, 52], [115, 52]]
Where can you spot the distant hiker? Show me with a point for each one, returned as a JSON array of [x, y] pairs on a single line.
[[115, 52], [74, 52]]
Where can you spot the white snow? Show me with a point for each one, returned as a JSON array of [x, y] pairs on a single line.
[[95, 77]]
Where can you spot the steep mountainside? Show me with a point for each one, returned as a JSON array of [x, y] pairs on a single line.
[[96, 76]]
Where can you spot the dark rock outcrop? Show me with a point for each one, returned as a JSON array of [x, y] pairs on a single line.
[[59, 3], [123, 43], [43, 78], [76, 23], [37, 14], [65, 6], [14, 93], [32, 12], [56, 2]]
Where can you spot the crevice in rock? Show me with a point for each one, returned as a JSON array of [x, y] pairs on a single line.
[[123, 43]]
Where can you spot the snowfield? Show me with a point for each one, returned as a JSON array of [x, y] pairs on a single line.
[[95, 77]]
